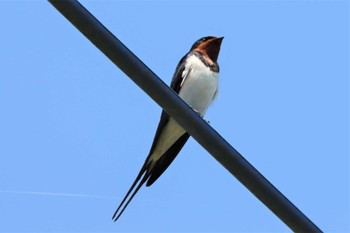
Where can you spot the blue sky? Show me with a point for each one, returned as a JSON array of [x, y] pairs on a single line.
[[74, 130]]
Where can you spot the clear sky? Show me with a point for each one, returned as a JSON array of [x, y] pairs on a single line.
[[74, 130]]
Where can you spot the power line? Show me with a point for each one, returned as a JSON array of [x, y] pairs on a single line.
[[204, 134]]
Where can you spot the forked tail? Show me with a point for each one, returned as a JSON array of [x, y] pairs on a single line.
[[145, 174]]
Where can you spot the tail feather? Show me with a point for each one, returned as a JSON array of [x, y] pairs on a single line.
[[145, 174]]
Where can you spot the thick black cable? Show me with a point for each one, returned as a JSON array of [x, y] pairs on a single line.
[[204, 134]]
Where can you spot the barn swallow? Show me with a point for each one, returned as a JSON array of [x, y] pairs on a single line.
[[196, 82]]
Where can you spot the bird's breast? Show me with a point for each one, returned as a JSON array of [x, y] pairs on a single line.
[[200, 85]]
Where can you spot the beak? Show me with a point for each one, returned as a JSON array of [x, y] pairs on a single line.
[[218, 39]]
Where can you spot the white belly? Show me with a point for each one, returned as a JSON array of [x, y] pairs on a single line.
[[200, 86]]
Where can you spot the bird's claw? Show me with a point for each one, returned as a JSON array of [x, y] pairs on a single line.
[[208, 122], [196, 111]]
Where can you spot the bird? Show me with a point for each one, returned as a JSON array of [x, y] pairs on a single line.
[[196, 81]]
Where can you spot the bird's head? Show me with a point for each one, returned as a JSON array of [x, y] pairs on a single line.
[[209, 45]]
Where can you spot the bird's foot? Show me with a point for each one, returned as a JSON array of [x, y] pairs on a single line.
[[196, 111], [208, 122]]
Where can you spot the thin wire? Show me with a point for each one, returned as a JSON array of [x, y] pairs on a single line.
[[204, 134]]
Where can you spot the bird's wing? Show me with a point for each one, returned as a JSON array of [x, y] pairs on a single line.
[[176, 83], [151, 172], [181, 73]]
